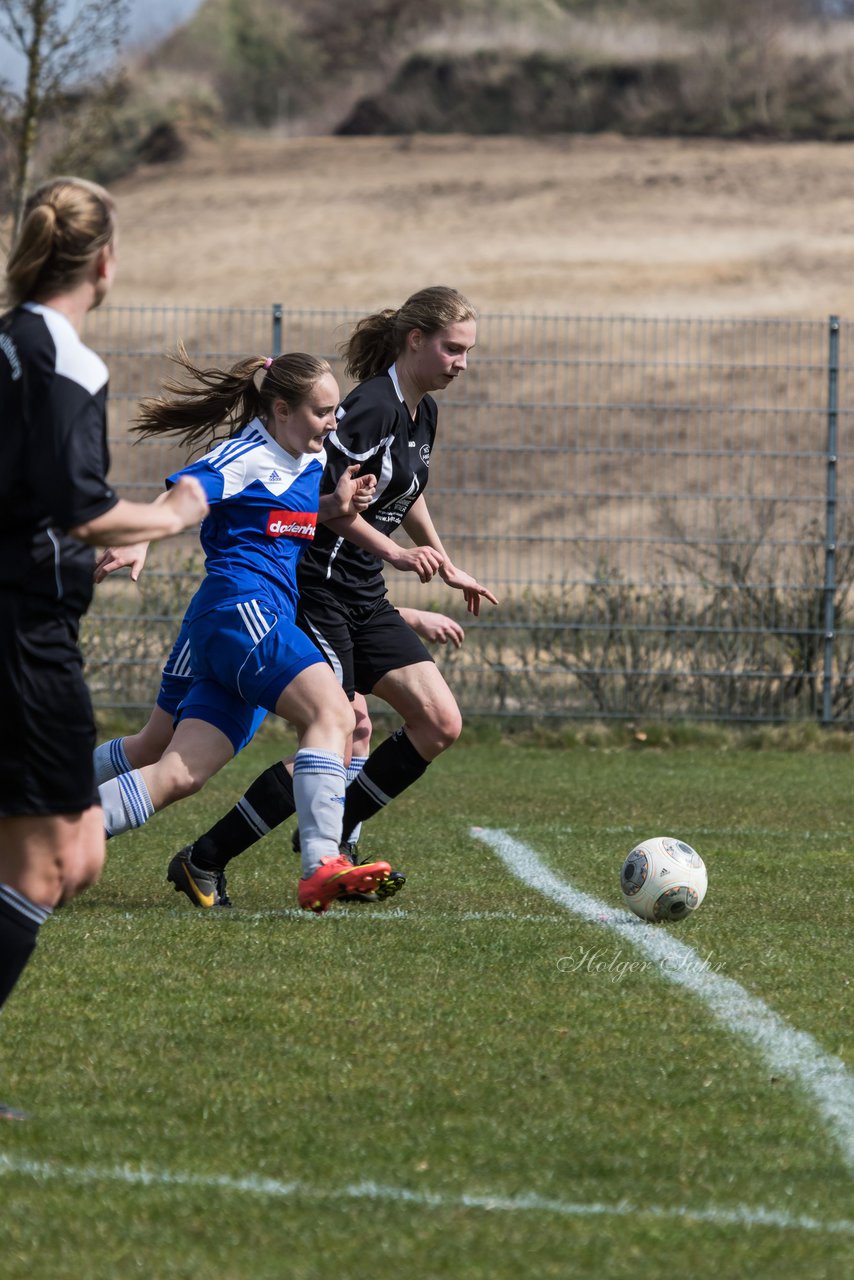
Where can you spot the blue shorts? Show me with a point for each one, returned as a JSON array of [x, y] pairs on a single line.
[[177, 675], [243, 656], [176, 681]]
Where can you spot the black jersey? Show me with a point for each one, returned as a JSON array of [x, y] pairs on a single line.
[[53, 454], [376, 429]]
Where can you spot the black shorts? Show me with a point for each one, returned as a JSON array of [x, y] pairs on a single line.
[[361, 643], [47, 727]]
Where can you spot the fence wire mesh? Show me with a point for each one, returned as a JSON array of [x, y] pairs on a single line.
[[663, 506]]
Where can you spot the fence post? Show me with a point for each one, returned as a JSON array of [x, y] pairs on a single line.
[[830, 517], [276, 345]]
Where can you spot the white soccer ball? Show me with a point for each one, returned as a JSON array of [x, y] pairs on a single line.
[[663, 879]]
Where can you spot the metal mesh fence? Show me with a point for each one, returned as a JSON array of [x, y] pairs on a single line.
[[663, 506]]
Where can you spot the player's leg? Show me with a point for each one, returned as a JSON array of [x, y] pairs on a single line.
[[361, 749], [392, 662], [265, 805], [270, 800], [431, 723], [51, 835], [314, 703], [121, 755], [44, 861], [198, 750]]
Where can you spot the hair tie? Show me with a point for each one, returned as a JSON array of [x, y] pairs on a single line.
[[260, 373]]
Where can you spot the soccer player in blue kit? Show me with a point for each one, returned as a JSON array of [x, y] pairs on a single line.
[[262, 484], [387, 425]]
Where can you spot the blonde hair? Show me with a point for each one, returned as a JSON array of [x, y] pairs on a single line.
[[67, 221], [221, 401], [378, 339]]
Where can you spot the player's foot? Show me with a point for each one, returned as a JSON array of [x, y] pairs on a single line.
[[348, 850], [335, 877], [12, 1113], [204, 888]]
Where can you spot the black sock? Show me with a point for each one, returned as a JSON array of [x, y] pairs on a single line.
[[393, 767], [267, 803], [19, 926]]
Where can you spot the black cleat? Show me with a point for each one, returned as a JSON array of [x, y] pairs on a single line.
[[386, 888], [204, 888], [390, 885]]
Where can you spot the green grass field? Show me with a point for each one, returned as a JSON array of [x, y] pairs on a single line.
[[467, 1082]]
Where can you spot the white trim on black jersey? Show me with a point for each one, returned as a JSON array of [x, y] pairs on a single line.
[[74, 360]]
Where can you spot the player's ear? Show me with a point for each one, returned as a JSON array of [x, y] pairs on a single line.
[[104, 261]]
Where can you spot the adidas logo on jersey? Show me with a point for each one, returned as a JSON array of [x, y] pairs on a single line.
[[292, 524], [273, 477]]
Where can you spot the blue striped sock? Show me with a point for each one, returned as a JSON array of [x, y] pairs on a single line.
[[110, 760], [126, 803]]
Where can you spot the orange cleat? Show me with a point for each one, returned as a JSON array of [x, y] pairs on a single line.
[[336, 877]]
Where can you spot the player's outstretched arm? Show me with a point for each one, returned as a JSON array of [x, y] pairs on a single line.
[[183, 505]]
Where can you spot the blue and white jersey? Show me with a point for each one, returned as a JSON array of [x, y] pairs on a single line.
[[263, 514]]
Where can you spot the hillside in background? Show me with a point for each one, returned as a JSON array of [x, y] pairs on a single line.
[[735, 69]]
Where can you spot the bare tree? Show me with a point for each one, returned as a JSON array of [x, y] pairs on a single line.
[[65, 46]]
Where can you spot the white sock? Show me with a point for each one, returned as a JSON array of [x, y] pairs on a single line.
[[319, 778], [126, 803], [110, 760], [354, 768]]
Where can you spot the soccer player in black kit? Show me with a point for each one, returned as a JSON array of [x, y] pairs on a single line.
[[54, 500], [387, 424]]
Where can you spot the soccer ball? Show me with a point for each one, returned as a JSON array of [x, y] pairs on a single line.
[[663, 879]]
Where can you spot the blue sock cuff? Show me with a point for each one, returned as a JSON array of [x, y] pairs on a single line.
[[310, 760]]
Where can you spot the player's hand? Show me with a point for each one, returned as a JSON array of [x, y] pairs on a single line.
[[351, 496], [470, 587], [364, 494], [437, 627], [425, 561], [115, 558], [187, 501]]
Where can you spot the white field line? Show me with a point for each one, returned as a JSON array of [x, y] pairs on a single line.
[[788, 1052], [739, 1216], [355, 913]]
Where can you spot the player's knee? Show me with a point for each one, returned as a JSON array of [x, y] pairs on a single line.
[[437, 728], [448, 728], [338, 720]]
